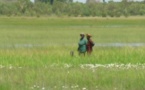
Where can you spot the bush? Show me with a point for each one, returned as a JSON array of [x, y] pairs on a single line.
[[60, 8]]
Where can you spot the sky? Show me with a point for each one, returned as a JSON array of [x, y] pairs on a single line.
[[83, 1], [32, 0]]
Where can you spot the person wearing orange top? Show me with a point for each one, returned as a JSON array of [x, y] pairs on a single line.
[[90, 44]]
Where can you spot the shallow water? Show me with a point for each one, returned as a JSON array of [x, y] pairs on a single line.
[[96, 45], [120, 44]]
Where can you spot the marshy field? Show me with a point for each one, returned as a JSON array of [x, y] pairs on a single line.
[[35, 53]]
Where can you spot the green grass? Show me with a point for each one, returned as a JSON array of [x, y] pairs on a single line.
[[58, 55], [56, 78], [66, 30], [35, 54]]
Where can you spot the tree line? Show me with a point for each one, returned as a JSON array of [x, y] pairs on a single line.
[[69, 8]]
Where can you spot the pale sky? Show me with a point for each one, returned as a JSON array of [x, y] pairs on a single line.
[[83, 1], [32, 0]]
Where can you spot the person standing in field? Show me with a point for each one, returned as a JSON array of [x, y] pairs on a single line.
[[82, 44], [90, 44]]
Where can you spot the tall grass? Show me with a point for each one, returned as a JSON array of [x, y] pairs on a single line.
[[48, 56], [35, 54]]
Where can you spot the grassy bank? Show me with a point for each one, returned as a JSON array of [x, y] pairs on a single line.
[[58, 31]]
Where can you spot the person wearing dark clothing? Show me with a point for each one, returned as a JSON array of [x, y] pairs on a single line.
[[90, 44], [82, 45]]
